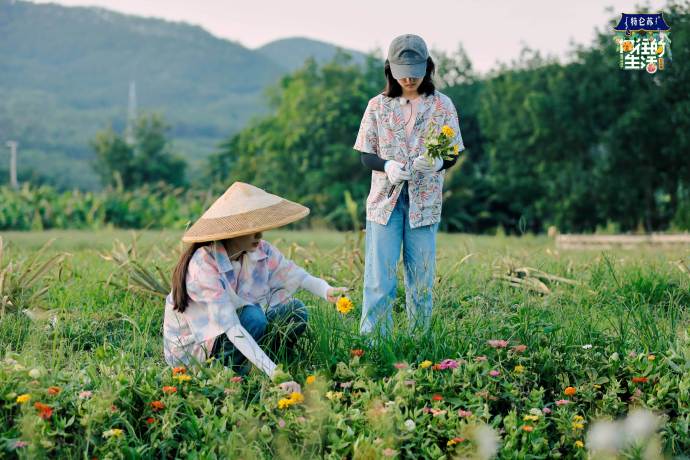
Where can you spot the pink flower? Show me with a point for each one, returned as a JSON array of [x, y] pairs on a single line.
[[497, 343], [464, 413], [562, 402], [19, 444], [448, 364], [409, 383], [426, 410], [400, 365], [236, 379], [388, 452], [480, 358], [519, 348], [437, 412], [85, 394], [345, 384], [546, 410], [281, 423], [494, 373]]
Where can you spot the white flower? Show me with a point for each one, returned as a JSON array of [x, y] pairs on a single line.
[[639, 425], [35, 373], [487, 442], [603, 437], [587, 347], [535, 411], [410, 425]]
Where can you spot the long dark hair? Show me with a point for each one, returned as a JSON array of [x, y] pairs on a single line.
[[179, 277], [393, 88]]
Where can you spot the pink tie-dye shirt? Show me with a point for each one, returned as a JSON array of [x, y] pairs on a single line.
[[265, 277]]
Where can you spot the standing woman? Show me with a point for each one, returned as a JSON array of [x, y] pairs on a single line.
[[404, 203]]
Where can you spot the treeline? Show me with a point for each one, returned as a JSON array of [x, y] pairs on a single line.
[[582, 146]]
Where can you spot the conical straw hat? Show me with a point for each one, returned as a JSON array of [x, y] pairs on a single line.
[[242, 210]]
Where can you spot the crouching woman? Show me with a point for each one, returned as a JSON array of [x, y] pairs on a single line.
[[230, 285]]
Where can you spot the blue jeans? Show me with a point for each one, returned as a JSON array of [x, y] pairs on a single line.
[[380, 270], [289, 320]]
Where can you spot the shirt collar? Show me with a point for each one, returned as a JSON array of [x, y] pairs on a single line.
[[223, 261]]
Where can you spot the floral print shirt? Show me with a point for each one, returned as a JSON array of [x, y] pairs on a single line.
[[382, 132], [216, 289]]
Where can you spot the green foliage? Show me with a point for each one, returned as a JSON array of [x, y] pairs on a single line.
[[152, 205], [618, 337], [147, 160]]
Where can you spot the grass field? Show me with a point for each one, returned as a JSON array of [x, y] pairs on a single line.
[[513, 371]]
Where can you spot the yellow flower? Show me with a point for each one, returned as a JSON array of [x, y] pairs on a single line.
[[651, 357], [578, 418], [579, 444], [519, 369], [344, 305], [425, 364], [113, 433], [456, 149], [578, 426], [447, 131], [284, 403], [25, 398], [296, 398], [334, 395], [182, 378], [311, 379], [532, 418]]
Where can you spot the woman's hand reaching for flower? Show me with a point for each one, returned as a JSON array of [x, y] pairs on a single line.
[[334, 293]]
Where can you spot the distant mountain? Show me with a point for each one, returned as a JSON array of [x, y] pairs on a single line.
[[291, 53], [65, 74]]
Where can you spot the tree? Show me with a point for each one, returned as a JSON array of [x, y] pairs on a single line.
[[147, 160]]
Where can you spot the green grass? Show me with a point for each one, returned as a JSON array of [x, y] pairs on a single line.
[[109, 341]]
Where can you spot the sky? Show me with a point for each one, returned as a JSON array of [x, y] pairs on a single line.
[[491, 31]]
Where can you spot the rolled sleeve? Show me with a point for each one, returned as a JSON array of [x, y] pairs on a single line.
[[211, 311], [368, 137]]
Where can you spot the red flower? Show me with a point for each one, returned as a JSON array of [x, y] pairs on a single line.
[[150, 420], [157, 405], [113, 408], [53, 391], [640, 379], [436, 367], [437, 397], [169, 389], [357, 352], [44, 411]]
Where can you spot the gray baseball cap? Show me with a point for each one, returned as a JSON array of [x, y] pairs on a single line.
[[407, 56]]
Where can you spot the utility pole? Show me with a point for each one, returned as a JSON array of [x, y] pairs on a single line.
[[13, 163]]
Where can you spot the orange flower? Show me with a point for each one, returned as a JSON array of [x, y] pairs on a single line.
[[44, 411], [437, 397], [53, 391], [179, 370], [357, 352], [570, 391], [169, 389], [640, 379], [527, 428], [436, 367], [157, 405]]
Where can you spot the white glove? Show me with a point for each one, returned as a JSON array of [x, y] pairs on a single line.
[[426, 165], [396, 172]]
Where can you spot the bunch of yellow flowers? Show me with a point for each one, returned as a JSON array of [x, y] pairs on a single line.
[[294, 398]]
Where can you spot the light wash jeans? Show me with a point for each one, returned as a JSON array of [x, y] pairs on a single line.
[[380, 270]]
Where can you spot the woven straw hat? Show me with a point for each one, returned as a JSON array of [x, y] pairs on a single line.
[[242, 210]]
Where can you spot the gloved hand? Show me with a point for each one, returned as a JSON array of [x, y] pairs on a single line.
[[426, 166], [396, 172]]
